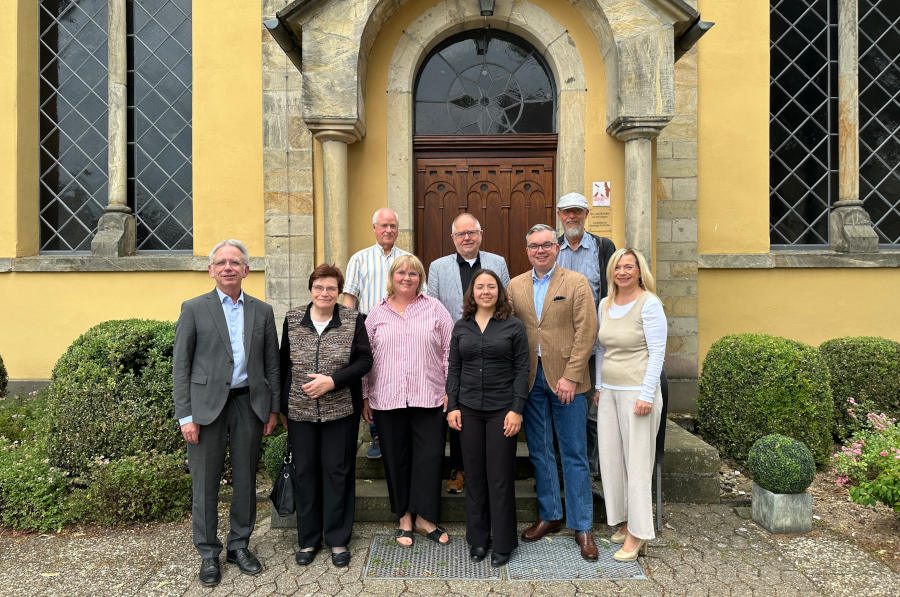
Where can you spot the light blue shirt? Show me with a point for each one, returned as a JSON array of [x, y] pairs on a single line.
[[234, 320], [585, 260], [540, 293]]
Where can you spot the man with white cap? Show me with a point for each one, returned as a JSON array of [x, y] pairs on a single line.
[[587, 254]]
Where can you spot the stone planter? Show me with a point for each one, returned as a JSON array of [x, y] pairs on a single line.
[[782, 512]]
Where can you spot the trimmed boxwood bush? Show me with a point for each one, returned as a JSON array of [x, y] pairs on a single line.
[[864, 368], [110, 395], [273, 454], [33, 493], [781, 464], [755, 384], [4, 378]]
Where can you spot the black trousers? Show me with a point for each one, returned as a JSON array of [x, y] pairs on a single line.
[[489, 458], [456, 461], [325, 459], [412, 447]]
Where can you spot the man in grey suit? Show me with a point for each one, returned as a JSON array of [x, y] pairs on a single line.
[[448, 279], [227, 388]]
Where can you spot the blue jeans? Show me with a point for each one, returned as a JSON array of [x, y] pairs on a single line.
[[542, 407]]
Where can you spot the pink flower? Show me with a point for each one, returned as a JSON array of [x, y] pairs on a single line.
[[851, 400], [857, 451], [843, 480], [883, 453]]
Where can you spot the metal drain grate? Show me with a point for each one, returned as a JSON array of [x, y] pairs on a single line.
[[425, 560], [560, 559]]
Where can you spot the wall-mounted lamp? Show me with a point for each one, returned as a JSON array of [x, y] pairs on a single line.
[[487, 7]]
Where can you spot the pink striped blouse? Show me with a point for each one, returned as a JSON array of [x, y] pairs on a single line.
[[410, 354]]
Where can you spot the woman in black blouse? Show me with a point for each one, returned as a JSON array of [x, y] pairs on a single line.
[[487, 383]]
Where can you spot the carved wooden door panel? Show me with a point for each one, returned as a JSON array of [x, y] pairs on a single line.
[[507, 193]]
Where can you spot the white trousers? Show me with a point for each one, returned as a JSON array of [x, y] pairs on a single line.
[[627, 446]]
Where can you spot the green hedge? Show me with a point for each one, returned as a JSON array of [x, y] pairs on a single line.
[[781, 464], [866, 369], [753, 385], [32, 492], [273, 454], [4, 378], [110, 395]]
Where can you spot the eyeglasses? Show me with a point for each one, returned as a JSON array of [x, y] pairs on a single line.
[[406, 274], [545, 246], [232, 262], [466, 233], [319, 289]]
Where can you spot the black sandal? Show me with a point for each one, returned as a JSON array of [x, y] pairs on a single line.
[[401, 533], [435, 535]]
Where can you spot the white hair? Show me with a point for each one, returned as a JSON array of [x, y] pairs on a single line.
[[453, 225], [231, 242], [381, 209]]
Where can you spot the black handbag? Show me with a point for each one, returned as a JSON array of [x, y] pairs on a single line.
[[282, 495]]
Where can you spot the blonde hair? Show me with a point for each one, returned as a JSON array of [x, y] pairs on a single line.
[[410, 260], [646, 280]]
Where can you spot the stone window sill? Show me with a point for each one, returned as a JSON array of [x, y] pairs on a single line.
[[136, 263], [794, 259]]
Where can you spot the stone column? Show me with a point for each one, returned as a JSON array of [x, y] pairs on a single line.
[[116, 229], [849, 223], [638, 137], [335, 187]]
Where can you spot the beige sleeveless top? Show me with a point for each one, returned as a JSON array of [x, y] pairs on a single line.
[[626, 354]]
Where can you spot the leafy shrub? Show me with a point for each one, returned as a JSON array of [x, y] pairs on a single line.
[[32, 492], [870, 462], [4, 378], [866, 369], [21, 416], [781, 464], [110, 394], [273, 454], [754, 385], [139, 488]]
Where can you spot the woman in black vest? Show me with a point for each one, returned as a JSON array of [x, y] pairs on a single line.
[[487, 384], [324, 355]]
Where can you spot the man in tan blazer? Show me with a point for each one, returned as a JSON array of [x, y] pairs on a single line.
[[557, 308]]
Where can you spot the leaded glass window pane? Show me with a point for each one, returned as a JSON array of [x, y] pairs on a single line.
[[73, 122], [484, 82], [879, 115], [802, 120], [159, 132]]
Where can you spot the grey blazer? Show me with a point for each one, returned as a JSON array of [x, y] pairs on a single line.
[[444, 283], [203, 362]]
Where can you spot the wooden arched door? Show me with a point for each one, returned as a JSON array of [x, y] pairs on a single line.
[[505, 182]]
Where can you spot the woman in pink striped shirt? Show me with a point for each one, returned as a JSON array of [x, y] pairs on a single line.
[[404, 395]]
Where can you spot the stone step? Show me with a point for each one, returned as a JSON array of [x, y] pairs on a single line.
[[373, 504], [367, 468]]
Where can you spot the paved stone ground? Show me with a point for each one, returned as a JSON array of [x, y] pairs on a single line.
[[705, 550]]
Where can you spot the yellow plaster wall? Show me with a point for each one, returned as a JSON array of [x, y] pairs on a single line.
[[18, 130], [733, 112], [44, 312], [810, 305], [604, 155], [227, 125]]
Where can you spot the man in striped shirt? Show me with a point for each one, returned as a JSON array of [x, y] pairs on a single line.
[[366, 279]]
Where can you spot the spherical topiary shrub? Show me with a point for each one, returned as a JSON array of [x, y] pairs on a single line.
[[781, 464], [273, 455], [110, 395], [4, 378], [754, 384], [866, 369]]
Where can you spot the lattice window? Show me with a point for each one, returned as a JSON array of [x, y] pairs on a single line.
[[802, 120], [484, 82], [73, 122], [879, 115], [159, 132]]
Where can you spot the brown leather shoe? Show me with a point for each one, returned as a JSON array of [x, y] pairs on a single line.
[[541, 528], [456, 481], [588, 548]]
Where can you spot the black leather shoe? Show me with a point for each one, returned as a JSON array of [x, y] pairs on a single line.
[[477, 553], [305, 558], [210, 574], [340, 559], [498, 559], [245, 560]]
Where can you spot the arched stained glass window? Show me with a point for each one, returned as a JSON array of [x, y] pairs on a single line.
[[484, 82]]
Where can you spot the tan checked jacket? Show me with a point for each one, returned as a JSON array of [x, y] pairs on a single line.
[[566, 329]]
